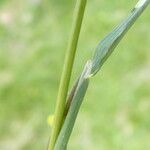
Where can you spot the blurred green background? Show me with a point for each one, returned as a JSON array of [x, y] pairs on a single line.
[[33, 39]]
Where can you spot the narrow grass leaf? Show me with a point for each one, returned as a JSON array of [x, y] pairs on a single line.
[[103, 50], [108, 44]]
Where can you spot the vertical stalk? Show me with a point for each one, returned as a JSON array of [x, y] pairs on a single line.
[[67, 70]]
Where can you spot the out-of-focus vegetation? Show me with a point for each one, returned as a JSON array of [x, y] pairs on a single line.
[[33, 38]]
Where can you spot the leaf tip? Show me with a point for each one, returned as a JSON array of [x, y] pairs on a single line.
[[140, 3]]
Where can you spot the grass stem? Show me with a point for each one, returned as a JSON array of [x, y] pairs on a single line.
[[67, 70]]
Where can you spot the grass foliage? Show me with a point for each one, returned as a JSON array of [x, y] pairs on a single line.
[[33, 40], [103, 50]]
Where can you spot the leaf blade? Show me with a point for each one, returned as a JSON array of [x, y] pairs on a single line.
[[103, 51], [109, 43]]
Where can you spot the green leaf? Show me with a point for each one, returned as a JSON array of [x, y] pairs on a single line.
[[103, 51], [108, 44]]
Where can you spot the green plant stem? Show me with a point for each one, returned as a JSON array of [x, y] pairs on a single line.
[[66, 74]]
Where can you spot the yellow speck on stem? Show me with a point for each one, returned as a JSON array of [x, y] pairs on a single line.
[[50, 120]]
